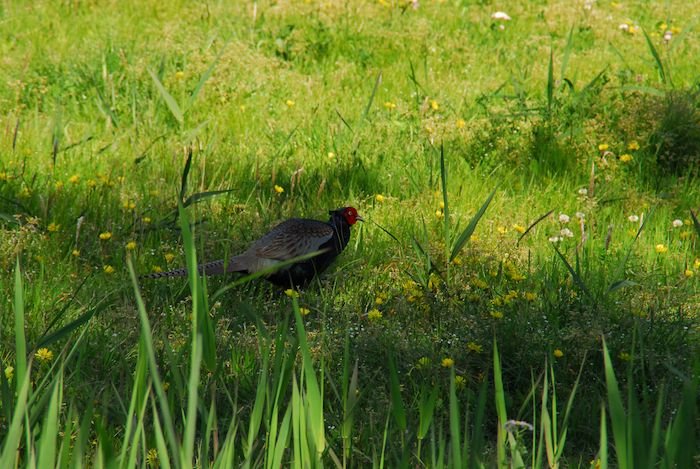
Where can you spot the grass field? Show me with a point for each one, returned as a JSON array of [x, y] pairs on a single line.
[[523, 293]]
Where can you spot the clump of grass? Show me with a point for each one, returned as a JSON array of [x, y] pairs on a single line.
[[676, 139]]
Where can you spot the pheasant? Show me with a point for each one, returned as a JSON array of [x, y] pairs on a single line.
[[292, 238]]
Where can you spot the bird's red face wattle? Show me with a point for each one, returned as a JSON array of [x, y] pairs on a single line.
[[351, 216]]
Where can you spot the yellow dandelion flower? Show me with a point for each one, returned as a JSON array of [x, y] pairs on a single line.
[[304, 311], [520, 229], [75, 253], [289, 103], [460, 382], [44, 355], [279, 189], [331, 155], [105, 236], [661, 249], [108, 269], [389, 105], [502, 230], [496, 314], [633, 146], [291, 293], [688, 273], [169, 257], [58, 185], [439, 214], [460, 123], [374, 315], [603, 147], [74, 179], [131, 245], [457, 261], [626, 158], [9, 372], [53, 227], [179, 75], [474, 347], [558, 353], [447, 362], [530, 296], [147, 220], [696, 264], [378, 300], [434, 105], [379, 198]]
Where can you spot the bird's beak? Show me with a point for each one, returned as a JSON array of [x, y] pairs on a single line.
[[359, 218]]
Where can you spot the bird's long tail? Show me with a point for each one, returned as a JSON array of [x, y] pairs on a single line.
[[210, 268]]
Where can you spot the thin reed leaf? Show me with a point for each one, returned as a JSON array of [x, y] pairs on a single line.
[[173, 107], [397, 407], [657, 59], [455, 438], [20, 340], [618, 417], [469, 230]]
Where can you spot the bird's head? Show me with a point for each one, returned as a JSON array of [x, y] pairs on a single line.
[[348, 213]]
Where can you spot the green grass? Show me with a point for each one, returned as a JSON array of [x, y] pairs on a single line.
[[166, 127]]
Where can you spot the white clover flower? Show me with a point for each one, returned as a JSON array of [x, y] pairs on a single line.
[[583, 191], [633, 218], [677, 223], [668, 35], [500, 15], [565, 232], [580, 215], [555, 239], [624, 27], [564, 218]]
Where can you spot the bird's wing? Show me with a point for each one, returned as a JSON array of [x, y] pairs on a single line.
[[292, 238]]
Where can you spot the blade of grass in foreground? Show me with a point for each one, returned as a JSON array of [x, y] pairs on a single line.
[[20, 340], [617, 414], [469, 230]]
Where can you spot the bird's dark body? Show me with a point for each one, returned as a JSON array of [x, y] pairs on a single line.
[[288, 240], [301, 273]]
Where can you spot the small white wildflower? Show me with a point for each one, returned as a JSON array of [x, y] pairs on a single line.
[[564, 218], [624, 27], [500, 15], [677, 223], [667, 36], [555, 239], [633, 218], [511, 425], [583, 191], [580, 215], [566, 232]]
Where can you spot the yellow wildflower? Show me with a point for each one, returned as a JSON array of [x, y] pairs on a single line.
[[558, 353], [389, 105], [434, 105], [474, 347], [460, 123], [279, 189], [156, 269], [696, 264], [44, 355], [447, 362], [460, 382], [147, 220], [169, 257], [9, 372], [91, 183], [108, 269], [530, 296], [379, 198], [289, 103], [457, 261], [131, 245], [75, 253], [519, 229], [58, 185], [128, 205], [603, 147], [105, 236], [478, 283], [661, 249], [152, 456], [633, 145], [74, 179], [502, 230], [688, 273], [626, 158], [685, 235], [374, 315], [496, 314], [291, 293], [179, 75], [439, 214], [53, 227], [304, 311], [331, 155]]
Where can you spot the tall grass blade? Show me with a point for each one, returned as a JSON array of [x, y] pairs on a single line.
[[500, 402], [603, 451], [49, 430], [371, 97], [168, 98], [455, 438], [397, 407], [550, 81], [617, 414], [469, 230], [657, 58], [20, 339], [696, 223], [206, 75], [14, 431], [577, 278], [567, 52], [446, 209], [533, 224]]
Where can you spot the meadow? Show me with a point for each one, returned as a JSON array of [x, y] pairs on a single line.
[[523, 292]]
